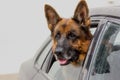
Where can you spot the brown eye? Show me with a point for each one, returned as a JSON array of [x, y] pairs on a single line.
[[72, 36], [57, 36]]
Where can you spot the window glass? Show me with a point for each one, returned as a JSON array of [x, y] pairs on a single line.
[[92, 30], [107, 62]]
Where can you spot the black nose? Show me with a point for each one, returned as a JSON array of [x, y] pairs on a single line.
[[58, 51]]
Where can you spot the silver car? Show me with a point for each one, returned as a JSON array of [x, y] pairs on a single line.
[[101, 63]]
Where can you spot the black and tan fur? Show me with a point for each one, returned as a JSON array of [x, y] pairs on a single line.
[[71, 37]]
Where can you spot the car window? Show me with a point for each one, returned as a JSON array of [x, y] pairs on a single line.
[[68, 72], [107, 61]]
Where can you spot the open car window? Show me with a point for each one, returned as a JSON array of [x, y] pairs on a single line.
[[68, 72]]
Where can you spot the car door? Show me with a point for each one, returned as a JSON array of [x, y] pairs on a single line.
[[103, 60]]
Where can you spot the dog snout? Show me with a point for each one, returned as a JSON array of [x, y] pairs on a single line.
[[58, 51]]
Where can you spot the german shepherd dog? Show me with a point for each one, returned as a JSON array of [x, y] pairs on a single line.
[[71, 37]]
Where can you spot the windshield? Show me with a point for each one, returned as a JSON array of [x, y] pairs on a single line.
[[107, 60]]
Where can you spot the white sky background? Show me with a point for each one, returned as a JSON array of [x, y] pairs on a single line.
[[23, 27]]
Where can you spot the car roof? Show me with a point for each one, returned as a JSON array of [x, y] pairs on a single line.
[[113, 11]]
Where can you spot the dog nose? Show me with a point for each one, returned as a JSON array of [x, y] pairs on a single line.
[[58, 51]]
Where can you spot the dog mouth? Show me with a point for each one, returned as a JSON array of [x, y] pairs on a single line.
[[66, 58], [63, 61]]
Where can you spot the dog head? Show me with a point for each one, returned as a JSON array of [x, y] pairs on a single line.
[[70, 36]]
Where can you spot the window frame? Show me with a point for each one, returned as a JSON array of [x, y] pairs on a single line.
[[40, 52], [90, 55], [92, 49]]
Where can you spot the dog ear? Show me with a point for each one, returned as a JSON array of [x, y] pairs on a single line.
[[81, 13], [51, 16]]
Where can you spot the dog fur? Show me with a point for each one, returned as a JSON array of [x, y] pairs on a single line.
[[71, 37]]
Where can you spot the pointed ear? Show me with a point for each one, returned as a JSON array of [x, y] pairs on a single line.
[[51, 16], [81, 13]]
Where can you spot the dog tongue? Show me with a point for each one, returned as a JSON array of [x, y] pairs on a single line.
[[62, 61]]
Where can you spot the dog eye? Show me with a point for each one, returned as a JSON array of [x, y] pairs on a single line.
[[71, 36], [57, 36]]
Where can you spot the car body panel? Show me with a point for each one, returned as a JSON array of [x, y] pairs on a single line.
[[41, 76], [27, 70], [113, 11]]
